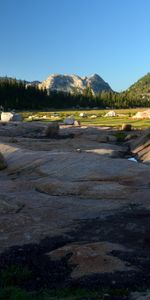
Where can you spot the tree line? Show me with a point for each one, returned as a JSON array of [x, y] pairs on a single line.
[[15, 94]]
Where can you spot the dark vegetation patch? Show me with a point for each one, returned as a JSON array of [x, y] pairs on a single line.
[[120, 136], [28, 270]]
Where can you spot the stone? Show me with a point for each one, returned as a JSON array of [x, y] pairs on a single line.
[[105, 138], [131, 136], [10, 116], [141, 146], [142, 115], [3, 163], [126, 127], [52, 130], [92, 258], [93, 116], [30, 118], [6, 116], [17, 118], [111, 113], [54, 115], [77, 123], [83, 115], [132, 159], [69, 121]]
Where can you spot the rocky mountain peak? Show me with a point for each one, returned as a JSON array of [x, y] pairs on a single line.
[[70, 83]]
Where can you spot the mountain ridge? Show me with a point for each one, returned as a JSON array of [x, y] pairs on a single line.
[[75, 83]]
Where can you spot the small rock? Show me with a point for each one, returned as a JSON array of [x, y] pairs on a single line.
[[142, 115], [93, 117], [3, 163], [126, 127], [10, 116], [83, 115], [17, 118], [6, 116], [69, 121], [140, 296], [132, 159], [111, 113], [113, 282], [52, 130], [130, 137], [77, 123]]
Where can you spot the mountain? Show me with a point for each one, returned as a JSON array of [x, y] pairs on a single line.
[[75, 83], [141, 88], [33, 83]]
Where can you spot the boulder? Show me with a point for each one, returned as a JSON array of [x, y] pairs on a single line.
[[142, 115], [77, 123], [141, 146], [93, 117], [6, 116], [111, 113], [99, 255], [69, 121], [10, 116], [83, 115], [3, 163], [52, 130], [17, 118], [126, 127]]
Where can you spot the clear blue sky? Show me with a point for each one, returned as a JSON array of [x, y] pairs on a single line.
[[108, 37]]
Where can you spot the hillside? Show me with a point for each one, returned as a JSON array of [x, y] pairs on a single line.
[[75, 83], [141, 88]]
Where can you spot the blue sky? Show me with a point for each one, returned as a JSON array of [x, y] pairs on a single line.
[[107, 37]]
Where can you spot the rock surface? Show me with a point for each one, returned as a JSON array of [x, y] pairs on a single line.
[[91, 258], [141, 146], [77, 203]]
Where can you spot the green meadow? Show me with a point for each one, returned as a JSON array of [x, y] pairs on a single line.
[[93, 117]]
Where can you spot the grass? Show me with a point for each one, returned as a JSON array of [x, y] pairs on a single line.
[[14, 275], [124, 116], [16, 293], [12, 278]]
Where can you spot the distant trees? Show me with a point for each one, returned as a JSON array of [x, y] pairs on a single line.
[[16, 94]]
